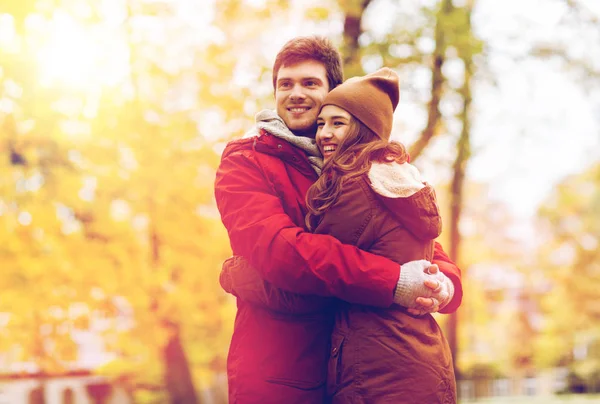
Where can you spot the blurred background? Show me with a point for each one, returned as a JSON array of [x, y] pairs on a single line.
[[113, 116]]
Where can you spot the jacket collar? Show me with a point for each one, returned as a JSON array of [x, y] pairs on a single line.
[[267, 121], [270, 144]]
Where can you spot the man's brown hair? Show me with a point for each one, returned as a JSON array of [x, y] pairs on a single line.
[[316, 48]]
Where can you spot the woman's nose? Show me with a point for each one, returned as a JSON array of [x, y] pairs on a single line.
[[325, 132]]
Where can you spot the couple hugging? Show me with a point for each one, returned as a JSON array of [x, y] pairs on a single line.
[[335, 266]]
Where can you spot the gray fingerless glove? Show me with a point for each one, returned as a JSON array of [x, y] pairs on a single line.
[[412, 284], [440, 296]]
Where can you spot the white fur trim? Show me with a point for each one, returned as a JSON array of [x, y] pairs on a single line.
[[395, 180]]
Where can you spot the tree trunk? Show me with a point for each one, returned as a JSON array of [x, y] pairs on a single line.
[[178, 377], [437, 83], [177, 371], [456, 189], [353, 14]]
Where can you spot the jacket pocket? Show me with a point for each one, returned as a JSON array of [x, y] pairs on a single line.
[[334, 366], [297, 384], [296, 354]]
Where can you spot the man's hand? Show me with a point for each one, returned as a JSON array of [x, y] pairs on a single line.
[[442, 290]]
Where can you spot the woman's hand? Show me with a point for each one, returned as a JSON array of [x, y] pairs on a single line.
[[442, 290]]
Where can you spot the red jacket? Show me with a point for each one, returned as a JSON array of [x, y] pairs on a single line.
[[260, 189]]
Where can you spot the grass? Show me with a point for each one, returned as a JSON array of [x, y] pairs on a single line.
[[570, 399]]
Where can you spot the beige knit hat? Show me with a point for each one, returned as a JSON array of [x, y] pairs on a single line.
[[371, 99]]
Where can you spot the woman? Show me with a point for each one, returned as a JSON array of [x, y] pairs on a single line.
[[369, 196]]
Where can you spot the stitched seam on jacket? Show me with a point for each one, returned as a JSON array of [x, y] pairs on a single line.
[[366, 190], [358, 382]]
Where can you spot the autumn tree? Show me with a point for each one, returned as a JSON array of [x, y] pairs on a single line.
[[107, 209], [569, 253]]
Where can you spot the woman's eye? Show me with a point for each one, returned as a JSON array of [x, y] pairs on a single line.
[[338, 123]]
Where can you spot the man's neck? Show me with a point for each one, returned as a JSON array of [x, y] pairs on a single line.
[[305, 133]]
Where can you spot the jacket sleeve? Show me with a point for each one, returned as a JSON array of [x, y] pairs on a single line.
[[449, 268], [241, 280], [286, 255]]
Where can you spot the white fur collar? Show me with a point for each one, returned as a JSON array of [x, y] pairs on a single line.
[[395, 180]]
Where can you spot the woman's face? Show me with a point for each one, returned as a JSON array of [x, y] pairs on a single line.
[[332, 127]]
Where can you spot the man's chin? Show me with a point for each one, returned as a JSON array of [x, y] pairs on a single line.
[[303, 130]]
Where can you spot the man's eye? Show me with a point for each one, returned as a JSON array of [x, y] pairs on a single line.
[[284, 85], [311, 83], [320, 124]]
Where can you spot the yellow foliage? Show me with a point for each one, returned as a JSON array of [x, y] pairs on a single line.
[[107, 220]]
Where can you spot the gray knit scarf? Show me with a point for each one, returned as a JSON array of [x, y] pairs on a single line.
[[269, 121]]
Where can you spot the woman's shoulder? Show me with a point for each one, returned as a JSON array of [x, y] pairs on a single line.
[[355, 189], [401, 190], [351, 213]]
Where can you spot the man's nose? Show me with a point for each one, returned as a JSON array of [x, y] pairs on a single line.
[[297, 92]]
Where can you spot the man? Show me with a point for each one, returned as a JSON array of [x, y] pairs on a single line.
[[260, 190]]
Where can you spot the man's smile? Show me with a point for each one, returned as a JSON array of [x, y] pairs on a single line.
[[298, 110]]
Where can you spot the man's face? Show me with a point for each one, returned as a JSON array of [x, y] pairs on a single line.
[[299, 92]]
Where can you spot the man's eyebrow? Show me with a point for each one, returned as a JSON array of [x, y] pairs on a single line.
[[313, 78]]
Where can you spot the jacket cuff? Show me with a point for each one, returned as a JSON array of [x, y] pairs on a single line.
[[450, 292], [225, 277], [457, 298]]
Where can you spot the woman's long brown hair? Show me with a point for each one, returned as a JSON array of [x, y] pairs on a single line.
[[352, 158]]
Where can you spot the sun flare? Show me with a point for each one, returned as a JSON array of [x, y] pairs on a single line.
[[79, 56]]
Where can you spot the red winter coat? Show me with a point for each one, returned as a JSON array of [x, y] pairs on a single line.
[[277, 357]]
